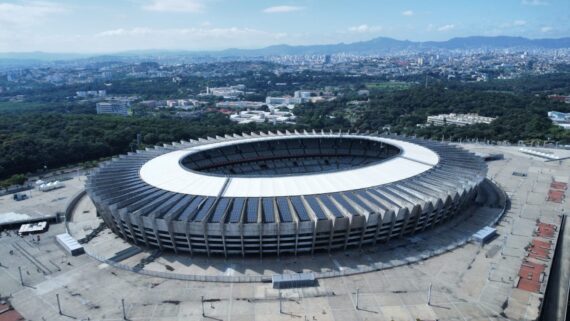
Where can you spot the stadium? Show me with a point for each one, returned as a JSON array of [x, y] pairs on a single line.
[[282, 193]]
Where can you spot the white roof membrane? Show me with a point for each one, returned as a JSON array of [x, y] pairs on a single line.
[[166, 172]]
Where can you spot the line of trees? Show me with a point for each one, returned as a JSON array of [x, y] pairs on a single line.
[[32, 141]]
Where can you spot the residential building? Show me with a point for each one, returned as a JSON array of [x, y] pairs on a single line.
[[560, 119], [458, 119]]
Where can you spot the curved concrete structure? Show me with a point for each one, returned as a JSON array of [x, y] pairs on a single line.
[[278, 193]]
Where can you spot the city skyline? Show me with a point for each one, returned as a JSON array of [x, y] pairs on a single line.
[[196, 25]]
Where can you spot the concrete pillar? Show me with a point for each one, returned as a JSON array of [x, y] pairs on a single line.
[[141, 228], [130, 226], [278, 238], [419, 215], [205, 229], [393, 222], [429, 215], [379, 222], [331, 234], [260, 231], [223, 231], [296, 236], [170, 226], [407, 216], [188, 238], [155, 230], [314, 237], [122, 228], [364, 228], [347, 231], [242, 241], [438, 216]]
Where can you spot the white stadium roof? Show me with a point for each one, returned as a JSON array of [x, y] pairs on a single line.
[[167, 173]]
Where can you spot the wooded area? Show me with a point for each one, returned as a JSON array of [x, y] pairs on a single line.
[[47, 133]]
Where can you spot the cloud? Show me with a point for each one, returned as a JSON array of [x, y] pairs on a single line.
[[188, 33], [143, 38], [365, 29], [448, 27], [175, 6], [516, 24], [27, 13], [190, 38], [408, 13], [546, 29], [535, 2], [282, 9]]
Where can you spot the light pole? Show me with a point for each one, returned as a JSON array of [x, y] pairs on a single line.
[[280, 302], [21, 278], [124, 311], [58, 304]]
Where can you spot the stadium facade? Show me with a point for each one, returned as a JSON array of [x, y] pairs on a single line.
[[283, 193]]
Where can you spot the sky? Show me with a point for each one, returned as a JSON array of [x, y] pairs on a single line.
[[106, 26]]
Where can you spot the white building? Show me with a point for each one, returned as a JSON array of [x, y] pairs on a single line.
[[302, 94], [113, 107], [278, 101], [284, 101], [242, 104], [458, 119], [230, 92], [91, 93], [258, 116], [178, 103], [560, 119], [171, 103]]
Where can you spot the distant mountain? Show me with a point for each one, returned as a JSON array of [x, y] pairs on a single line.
[[375, 45], [385, 45], [380, 45]]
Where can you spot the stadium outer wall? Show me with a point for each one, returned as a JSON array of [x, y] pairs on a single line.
[[149, 216]]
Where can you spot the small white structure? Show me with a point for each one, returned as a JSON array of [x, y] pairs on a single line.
[[258, 116], [534, 152], [458, 119], [484, 234], [69, 244], [51, 186], [32, 228]]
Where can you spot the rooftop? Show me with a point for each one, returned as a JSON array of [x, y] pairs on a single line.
[[166, 173]]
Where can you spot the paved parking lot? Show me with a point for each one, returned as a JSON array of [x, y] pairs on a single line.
[[468, 283], [39, 204]]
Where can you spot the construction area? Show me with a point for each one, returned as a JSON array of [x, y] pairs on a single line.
[[439, 274]]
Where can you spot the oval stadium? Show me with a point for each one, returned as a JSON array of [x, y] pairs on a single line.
[[282, 193]]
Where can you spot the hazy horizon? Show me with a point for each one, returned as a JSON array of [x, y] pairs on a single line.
[[66, 26], [240, 48]]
